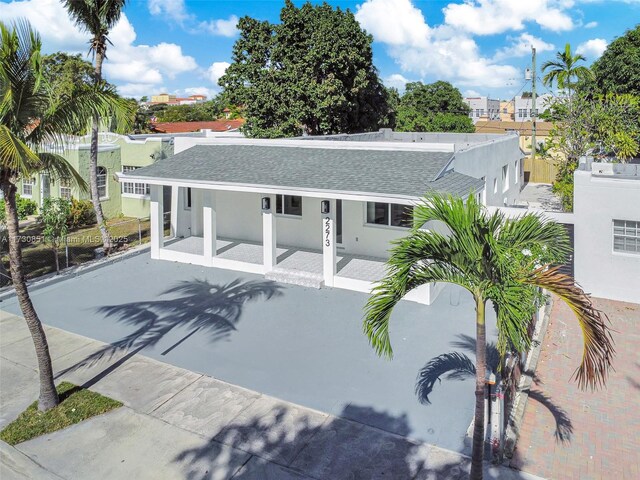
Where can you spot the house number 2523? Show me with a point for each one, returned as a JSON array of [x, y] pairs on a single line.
[[327, 231]]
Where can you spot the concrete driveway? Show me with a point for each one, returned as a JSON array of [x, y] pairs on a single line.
[[298, 344]]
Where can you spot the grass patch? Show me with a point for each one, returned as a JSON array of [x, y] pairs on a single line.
[[76, 404]]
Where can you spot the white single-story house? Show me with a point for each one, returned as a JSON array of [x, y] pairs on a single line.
[[297, 211]]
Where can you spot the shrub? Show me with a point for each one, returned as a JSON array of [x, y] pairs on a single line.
[[25, 207], [81, 213]]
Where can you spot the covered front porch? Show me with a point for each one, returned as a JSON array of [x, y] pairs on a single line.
[[206, 229]]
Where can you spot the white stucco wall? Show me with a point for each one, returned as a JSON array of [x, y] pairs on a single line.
[[599, 270], [486, 160]]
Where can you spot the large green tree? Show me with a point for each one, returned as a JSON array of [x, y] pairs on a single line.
[[435, 107], [32, 118], [618, 69], [67, 74], [312, 73], [97, 17], [566, 71], [498, 260]]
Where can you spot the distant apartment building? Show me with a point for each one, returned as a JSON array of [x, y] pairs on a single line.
[[523, 107], [483, 108], [507, 109], [169, 99]]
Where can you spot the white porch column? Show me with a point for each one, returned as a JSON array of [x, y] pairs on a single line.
[[157, 223], [329, 244], [269, 255], [175, 203], [209, 224]]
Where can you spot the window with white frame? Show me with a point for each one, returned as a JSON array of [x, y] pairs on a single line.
[[516, 172], [134, 188], [289, 205], [65, 188], [389, 214], [505, 178], [626, 236], [495, 185], [27, 186], [102, 182]]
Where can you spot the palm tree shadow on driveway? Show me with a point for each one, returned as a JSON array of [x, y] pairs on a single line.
[[195, 306], [458, 366]]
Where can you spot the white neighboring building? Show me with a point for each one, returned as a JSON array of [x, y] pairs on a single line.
[[483, 108], [607, 230], [315, 212], [523, 107]]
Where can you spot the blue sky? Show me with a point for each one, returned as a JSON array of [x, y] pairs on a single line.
[[481, 46]]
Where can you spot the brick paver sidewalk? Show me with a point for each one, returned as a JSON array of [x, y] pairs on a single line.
[[605, 438]]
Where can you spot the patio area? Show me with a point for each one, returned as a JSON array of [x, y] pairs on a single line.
[[298, 344], [356, 267]]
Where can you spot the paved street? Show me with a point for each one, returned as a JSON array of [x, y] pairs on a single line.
[[302, 345], [180, 424], [601, 428]]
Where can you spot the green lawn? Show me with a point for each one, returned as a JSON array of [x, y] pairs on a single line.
[[76, 404]]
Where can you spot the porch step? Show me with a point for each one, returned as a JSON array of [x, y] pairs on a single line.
[[295, 277]]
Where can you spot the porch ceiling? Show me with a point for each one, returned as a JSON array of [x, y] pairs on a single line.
[[382, 172]]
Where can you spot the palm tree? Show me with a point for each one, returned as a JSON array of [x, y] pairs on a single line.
[[96, 17], [32, 121], [504, 260], [565, 69]]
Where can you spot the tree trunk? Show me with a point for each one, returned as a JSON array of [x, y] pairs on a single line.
[[55, 254], [48, 395], [477, 455], [93, 170]]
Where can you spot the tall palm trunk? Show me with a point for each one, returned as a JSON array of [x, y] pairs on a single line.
[[48, 395], [481, 369], [93, 171]]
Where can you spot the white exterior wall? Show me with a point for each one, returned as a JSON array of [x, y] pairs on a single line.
[[487, 161], [598, 200]]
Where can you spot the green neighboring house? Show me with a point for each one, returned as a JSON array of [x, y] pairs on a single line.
[[116, 153]]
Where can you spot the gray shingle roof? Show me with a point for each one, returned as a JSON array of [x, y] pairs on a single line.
[[385, 172]]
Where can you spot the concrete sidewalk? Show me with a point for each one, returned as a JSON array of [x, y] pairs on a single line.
[[179, 424]]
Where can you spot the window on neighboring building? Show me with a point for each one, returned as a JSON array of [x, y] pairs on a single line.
[[390, 214], [27, 186], [289, 205], [65, 188], [626, 236], [102, 182], [495, 185], [134, 188], [505, 178], [516, 172]]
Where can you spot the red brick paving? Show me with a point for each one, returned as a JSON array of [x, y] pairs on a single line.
[[605, 443]]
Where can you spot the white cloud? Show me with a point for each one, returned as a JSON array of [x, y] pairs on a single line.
[[174, 10], [396, 81], [216, 70], [135, 69], [138, 89], [592, 48], [394, 22], [52, 21], [442, 52], [521, 46], [471, 94], [591, 25], [208, 92], [221, 27], [489, 17]]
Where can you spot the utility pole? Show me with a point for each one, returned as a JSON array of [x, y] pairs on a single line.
[[534, 111]]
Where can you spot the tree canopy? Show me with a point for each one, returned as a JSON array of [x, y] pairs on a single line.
[[66, 73], [312, 73], [435, 107], [618, 69]]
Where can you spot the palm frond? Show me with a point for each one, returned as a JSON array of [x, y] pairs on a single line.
[[598, 348], [15, 155], [59, 168]]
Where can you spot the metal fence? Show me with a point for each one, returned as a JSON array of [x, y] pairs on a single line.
[[77, 247]]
